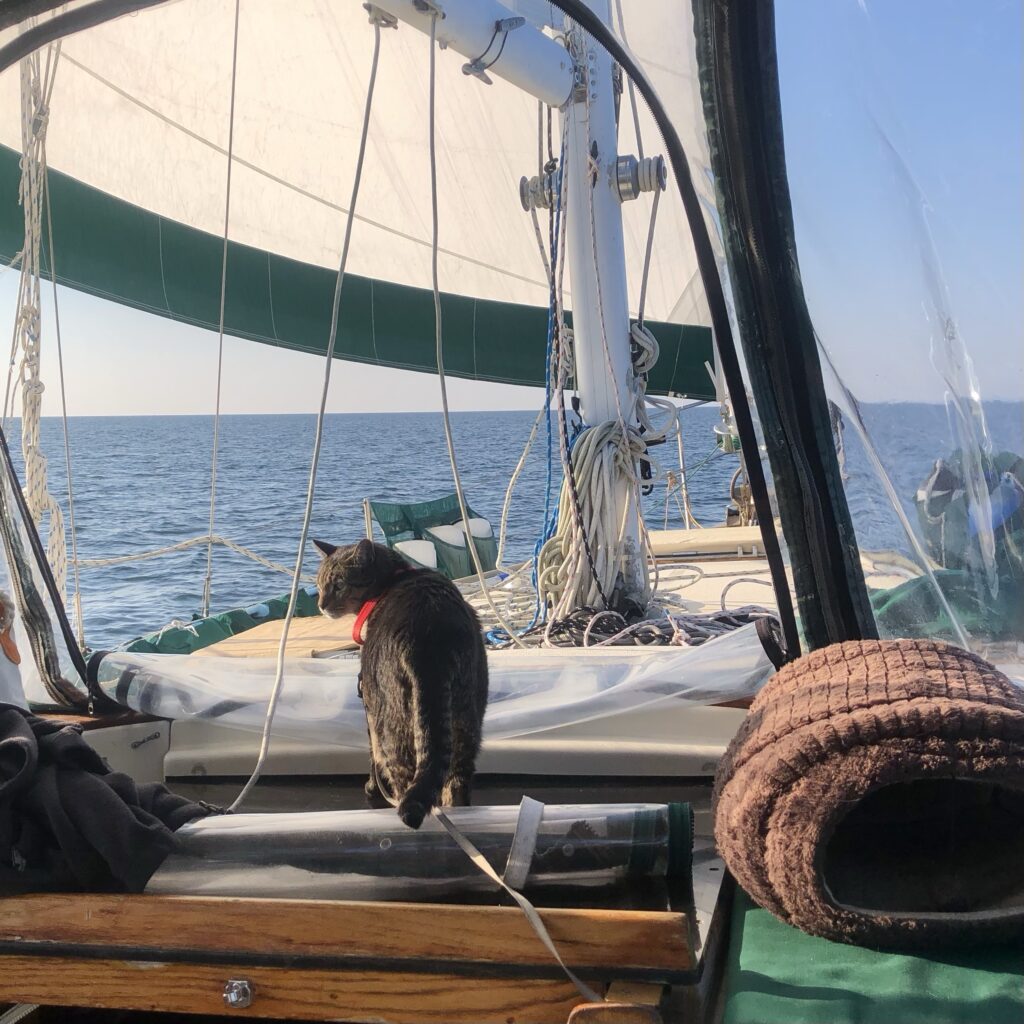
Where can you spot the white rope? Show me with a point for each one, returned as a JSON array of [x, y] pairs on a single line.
[[601, 458], [528, 909], [18, 1012], [630, 86], [208, 581], [439, 337], [647, 256], [515, 593], [684, 486], [185, 545], [275, 693], [739, 580], [36, 89], [513, 480]]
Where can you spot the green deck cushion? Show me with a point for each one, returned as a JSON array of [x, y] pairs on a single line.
[[778, 975]]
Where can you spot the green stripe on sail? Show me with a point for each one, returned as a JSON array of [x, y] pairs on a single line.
[[113, 249]]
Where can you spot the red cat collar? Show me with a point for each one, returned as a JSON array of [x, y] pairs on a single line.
[[364, 612], [361, 617]]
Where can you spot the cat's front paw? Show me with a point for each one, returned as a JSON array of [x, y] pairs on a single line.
[[412, 813]]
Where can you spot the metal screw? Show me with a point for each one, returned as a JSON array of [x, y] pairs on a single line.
[[238, 994]]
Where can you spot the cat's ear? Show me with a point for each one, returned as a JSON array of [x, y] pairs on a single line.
[[324, 548], [366, 553]]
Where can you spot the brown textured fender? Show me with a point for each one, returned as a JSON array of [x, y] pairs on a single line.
[[875, 795]]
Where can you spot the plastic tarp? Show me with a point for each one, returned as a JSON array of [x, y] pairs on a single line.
[[50, 671], [912, 277], [530, 690], [372, 855]]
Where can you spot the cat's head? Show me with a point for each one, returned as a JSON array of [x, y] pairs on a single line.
[[350, 575]]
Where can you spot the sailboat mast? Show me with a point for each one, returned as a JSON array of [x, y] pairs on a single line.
[[595, 252], [580, 83]]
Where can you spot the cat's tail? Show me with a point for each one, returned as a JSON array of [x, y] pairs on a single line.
[[432, 733]]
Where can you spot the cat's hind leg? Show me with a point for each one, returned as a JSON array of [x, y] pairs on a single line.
[[375, 797], [430, 689], [458, 784], [456, 792]]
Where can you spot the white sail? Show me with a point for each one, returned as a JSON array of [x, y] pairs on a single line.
[[141, 111]]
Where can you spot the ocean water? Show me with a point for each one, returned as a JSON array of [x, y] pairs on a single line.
[[144, 482]]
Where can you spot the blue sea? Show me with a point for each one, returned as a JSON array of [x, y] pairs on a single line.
[[144, 482]]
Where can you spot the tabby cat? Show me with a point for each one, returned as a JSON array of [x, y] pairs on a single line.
[[423, 672]]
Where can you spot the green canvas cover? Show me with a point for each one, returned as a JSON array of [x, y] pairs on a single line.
[[202, 632], [410, 520], [913, 609], [113, 249], [778, 975]]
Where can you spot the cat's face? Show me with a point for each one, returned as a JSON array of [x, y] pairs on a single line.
[[348, 574]]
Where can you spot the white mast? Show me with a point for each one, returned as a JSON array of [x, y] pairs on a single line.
[[597, 266], [581, 84]]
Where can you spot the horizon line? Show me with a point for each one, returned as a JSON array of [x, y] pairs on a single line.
[[437, 412]]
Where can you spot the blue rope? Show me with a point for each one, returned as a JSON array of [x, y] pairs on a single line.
[[550, 521], [550, 513]]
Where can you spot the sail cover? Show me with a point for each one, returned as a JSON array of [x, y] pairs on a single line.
[[137, 143]]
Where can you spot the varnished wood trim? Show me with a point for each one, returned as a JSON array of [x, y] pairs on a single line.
[[648, 942], [388, 998]]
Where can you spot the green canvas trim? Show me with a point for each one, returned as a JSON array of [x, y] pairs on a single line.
[[115, 250], [777, 975], [203, 632]]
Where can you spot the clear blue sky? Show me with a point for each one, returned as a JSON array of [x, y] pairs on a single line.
[[937, 86], [940, 80]]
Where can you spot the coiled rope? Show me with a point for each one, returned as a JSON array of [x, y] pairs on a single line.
[[581, 564]]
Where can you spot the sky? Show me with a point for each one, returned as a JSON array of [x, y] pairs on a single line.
[[903, 126], [903, 123]]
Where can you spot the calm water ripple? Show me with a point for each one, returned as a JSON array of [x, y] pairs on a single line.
[[143, 482]]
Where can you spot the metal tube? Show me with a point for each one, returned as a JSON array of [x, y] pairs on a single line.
[[529, 59], [597, 265]]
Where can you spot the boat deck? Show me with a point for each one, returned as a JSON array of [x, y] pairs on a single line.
[[339, 960]]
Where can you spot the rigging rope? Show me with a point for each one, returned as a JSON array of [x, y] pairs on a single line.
[[513, 480], [36, 90], [208, 581], [631, 88], [185, 545], [77, 596], [275, 693], [439, 337]]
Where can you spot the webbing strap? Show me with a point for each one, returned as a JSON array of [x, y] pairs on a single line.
[[524, 904], [531, 813], [524, 842]]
